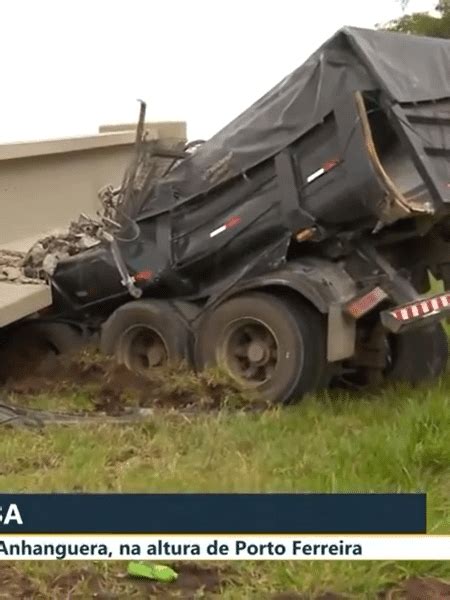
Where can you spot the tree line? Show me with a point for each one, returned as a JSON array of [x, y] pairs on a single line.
[[421, 23]]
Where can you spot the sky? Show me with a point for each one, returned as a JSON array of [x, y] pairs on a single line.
[[69, 66]]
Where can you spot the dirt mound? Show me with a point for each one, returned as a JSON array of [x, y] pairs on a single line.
[[113, 389], [415, 588], [418, 588], [20, 355]]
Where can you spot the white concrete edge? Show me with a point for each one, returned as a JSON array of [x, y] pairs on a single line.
[[12, 151], [21, 300]]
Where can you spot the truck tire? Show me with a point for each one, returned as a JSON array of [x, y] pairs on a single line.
[[56, 338], [419, 355], [272, 345], [144, 334]]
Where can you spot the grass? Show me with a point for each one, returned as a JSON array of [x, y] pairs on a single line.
[[395, 441]]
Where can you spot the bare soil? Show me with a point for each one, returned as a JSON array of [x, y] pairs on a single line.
[[112, 388], [418, 588], [415, 588]]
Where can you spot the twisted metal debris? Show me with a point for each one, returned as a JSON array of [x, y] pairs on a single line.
[[152, 160], [40, 261]]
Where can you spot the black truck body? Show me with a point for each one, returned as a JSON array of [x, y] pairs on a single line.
[[332, 189]]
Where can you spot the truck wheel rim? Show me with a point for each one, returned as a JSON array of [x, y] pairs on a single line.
[[143, 349], [249, 351]]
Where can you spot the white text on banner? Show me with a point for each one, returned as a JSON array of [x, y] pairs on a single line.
[[224, 547]]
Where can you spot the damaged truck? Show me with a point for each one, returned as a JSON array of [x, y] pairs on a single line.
[[299, 247]]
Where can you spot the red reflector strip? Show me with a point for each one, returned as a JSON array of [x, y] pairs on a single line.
[[327, 166], [421, 308], [232, 222], [330, 164], [143, 276], [362, 305]]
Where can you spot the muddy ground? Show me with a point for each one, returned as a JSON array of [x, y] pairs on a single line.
[[111, 388], [414, 588]]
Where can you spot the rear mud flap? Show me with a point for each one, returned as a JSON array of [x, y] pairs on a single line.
[[341, 334]]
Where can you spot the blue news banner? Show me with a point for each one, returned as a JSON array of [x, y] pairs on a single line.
[[156, 514], [212, 526]]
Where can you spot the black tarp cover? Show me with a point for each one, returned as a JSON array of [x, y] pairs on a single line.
[[406, 68]]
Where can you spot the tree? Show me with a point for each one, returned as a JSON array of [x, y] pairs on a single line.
[[424, 23]]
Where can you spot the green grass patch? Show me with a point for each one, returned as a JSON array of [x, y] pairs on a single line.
[[389, 442]]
